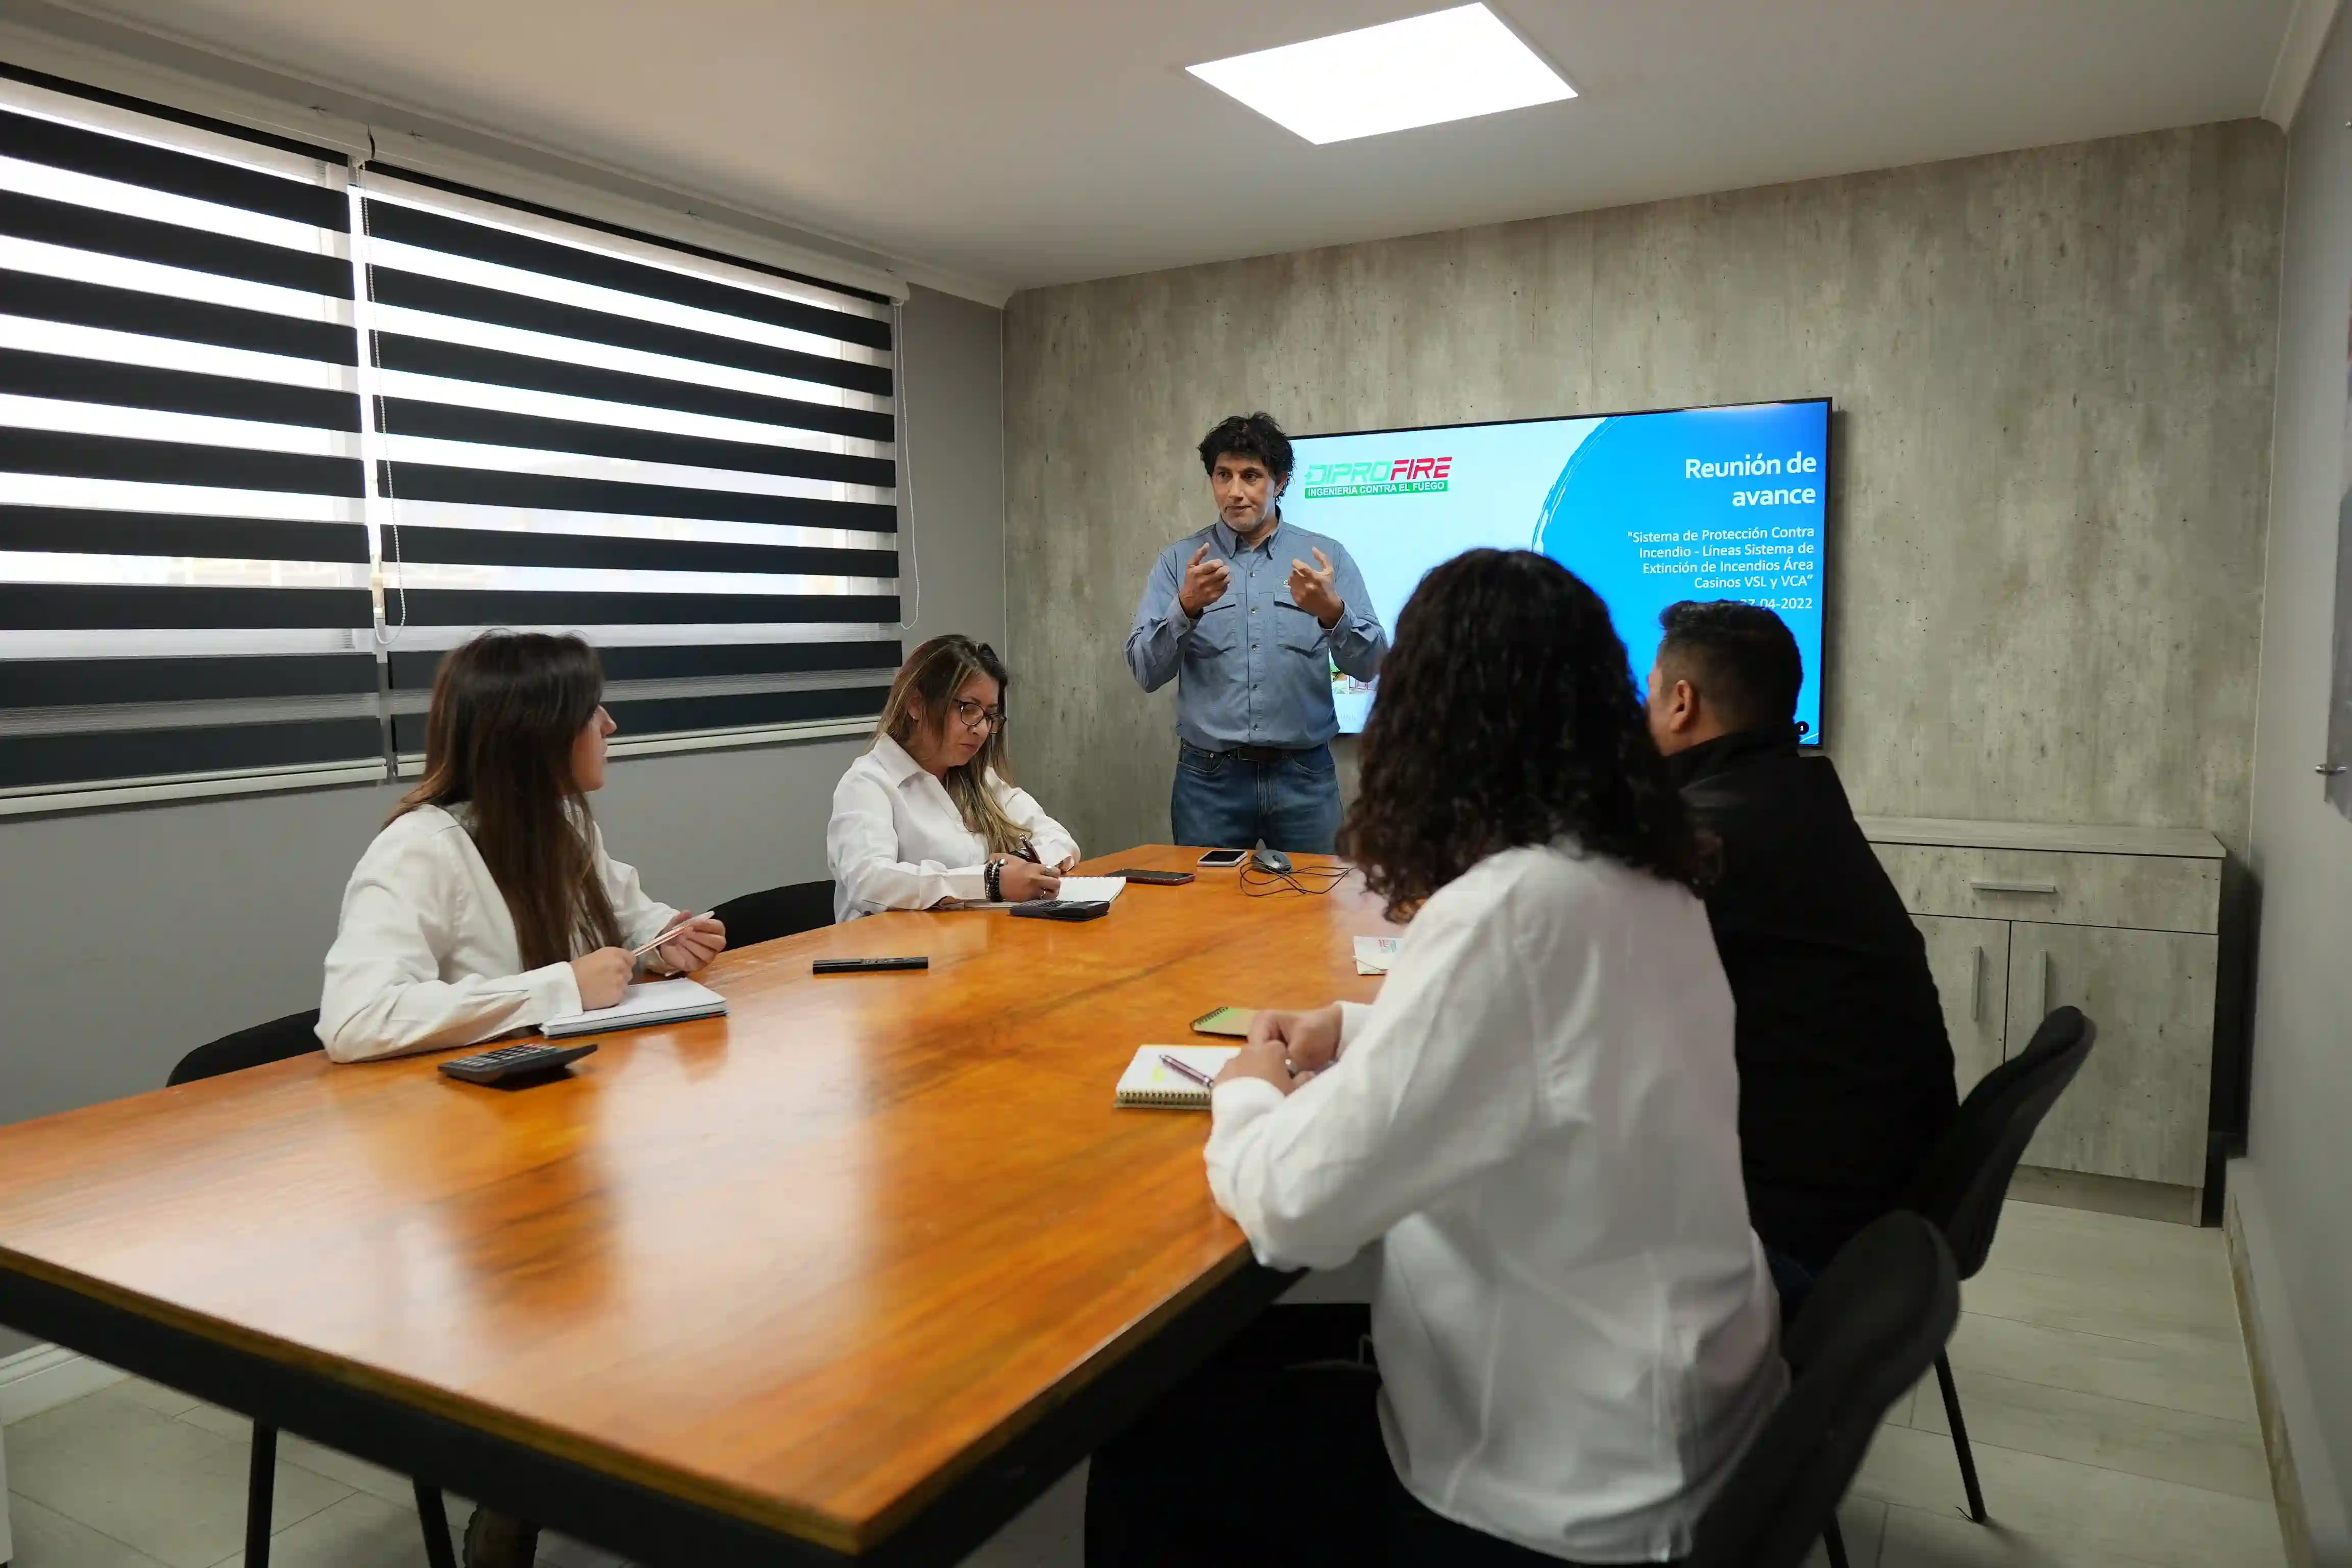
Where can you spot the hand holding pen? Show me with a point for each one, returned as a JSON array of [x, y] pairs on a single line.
[[689, 942]]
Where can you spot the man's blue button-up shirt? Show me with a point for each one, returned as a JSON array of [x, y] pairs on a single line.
[[1254, 670]]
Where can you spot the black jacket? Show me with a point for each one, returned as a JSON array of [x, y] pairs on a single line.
[[1845, 1074]]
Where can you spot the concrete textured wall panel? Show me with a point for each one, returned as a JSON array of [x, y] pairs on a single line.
[[2052, 370]]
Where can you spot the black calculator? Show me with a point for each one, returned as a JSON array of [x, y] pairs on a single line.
[[515, 1064]]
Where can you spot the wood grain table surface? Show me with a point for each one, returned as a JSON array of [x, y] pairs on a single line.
[[803, 1265]]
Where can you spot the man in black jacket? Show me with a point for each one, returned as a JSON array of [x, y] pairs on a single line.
[[1845, 1074]]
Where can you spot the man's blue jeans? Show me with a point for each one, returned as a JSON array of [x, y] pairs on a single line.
[[1222, 802]]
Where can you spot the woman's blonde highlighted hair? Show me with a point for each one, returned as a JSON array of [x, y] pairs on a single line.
[[935, 672]]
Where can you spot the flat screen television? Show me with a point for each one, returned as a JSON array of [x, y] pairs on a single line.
[[1687, 503]]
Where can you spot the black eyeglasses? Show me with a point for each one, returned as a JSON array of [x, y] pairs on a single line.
[[972, 716]]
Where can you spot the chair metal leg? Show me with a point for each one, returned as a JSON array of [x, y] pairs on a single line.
[[262, 1483], [435, 1520], [1833, 1542], [1959, 1437]]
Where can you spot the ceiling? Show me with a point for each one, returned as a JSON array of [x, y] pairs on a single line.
[[1015, 142]]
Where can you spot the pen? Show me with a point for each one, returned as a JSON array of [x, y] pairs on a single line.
[[1029, 852], [1189, 1070], [684, 921]]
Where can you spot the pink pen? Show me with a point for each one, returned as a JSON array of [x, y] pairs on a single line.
[[1189, 1070]]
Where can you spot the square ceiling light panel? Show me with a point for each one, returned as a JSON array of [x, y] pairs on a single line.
[[1423, 70]]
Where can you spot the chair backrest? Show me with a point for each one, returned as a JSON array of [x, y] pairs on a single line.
[[1963, 1181], [1872, 1327], [292, 1036], [779, 911]]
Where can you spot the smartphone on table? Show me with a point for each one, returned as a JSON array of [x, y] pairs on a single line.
[[1222, 859]]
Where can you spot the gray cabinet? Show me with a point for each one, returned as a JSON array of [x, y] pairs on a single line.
[[1970, 959], [2122, 923], [2138, 1107]]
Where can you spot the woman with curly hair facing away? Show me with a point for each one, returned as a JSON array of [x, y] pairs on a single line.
[[1574, 1334]]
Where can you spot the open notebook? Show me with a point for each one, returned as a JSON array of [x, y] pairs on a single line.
[[1149, 1081], [1074, 890], [649, 1002]]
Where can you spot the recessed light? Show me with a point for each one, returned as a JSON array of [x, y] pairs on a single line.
[[1423, 70]]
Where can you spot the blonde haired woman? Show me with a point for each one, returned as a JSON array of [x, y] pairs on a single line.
[[927, 815]]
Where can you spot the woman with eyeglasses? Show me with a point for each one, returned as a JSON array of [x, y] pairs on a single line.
[[926, 816]]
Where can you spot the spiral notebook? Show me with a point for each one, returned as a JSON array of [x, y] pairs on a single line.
[[646, 1001], [1148, 1082]]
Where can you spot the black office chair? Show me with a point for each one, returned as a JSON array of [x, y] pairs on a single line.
[[1962, 1185], [1878, 1316], [779, 911], [279, 1038], [294, 1035]]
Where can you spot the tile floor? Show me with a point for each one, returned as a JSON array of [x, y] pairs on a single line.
[[2099, 1361]]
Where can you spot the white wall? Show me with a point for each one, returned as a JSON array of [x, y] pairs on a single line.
[[2301, 853]]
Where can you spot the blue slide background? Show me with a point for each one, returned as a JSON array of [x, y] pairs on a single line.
[[1611, 498]]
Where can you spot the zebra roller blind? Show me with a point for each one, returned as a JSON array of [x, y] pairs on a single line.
[[277, 431], [184, 579], [690, 460]]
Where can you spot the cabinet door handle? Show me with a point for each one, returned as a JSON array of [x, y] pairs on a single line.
[[1994, 885], [2046, 968], [1976, 988]]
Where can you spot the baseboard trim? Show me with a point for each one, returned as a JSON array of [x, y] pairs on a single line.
[[2312, 1516], [2108, 1194], [47, 1376]]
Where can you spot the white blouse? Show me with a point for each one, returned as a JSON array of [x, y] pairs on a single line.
[[426, 955], [1576, 1333], [896, 841]]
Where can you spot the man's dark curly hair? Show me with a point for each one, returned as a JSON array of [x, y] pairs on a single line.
[[1247, 435], [1507, 716]]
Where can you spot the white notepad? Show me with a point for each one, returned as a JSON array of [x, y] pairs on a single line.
[[1148, 1082], [1074, 890], [1091, 889], [651, 1002], [1374, 953]]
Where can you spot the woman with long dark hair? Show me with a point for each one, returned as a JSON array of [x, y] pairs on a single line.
[[487, 904], [929, 815], [1574, 1334]]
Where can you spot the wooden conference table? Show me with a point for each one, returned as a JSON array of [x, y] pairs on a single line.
[[853, 1273]]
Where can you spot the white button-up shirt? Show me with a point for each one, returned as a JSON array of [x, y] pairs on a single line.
[[426, 955], [1576, 1329], [898, 842]]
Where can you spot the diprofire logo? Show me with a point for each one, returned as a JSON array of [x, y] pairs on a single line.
[[1397, 477]]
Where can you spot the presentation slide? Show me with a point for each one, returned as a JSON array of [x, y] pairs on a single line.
[[1697, 503]]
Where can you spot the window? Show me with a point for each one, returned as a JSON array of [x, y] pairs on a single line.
[[688, 461], [277, 431], [184, 585]]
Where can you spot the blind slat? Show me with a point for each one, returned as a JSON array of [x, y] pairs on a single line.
[[96, 531], [485, 547], [494, 367], [81, 380]]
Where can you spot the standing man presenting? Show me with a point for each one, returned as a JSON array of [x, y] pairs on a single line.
[[1248, 616]]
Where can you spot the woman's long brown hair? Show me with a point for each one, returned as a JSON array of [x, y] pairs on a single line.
[[935, 672], [507, 709], [1506, 716]]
